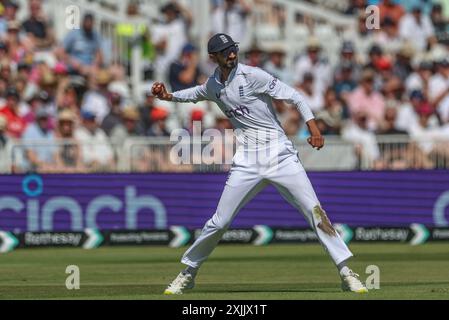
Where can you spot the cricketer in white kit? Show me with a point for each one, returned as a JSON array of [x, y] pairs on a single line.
[[245, 96]]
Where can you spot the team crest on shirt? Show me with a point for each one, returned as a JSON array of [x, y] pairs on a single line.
[[241, 91]]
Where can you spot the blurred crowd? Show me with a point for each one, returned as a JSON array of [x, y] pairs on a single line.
[[69, 103]]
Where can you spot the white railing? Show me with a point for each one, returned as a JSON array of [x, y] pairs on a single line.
[[153, 155]]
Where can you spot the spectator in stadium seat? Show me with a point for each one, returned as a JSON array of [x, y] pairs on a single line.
[[169, 37], [391, 9], [440, 24], [439, 89], [254, 56], [34, 104], [145, 111], [37, 28], [68, 155], [81, 48], [423, 131], [333, 113], [384, 70], [348, 59], [403, 64], [231, 17], [408, 118], [97, 153], [355, 7], [417, 28], [128, 126], [96, 100], [47, 84], [313, 98], [313, 63], [388, 36], [4, 54], [276, 65], [69, 98], [131, 33], [185, 72], [15, 123], [361, 35], [196, 119], [344, 79], [358, 132], [11, 8], [113, 118], [388, 124], [419, 80], [42, 156], [365, 98], [292, 123], [158, 118], [17, 47], [5, 147], [393, 91]]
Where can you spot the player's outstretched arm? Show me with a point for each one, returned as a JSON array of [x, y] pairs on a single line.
[[194, 94], [158, 90], [316, 140]]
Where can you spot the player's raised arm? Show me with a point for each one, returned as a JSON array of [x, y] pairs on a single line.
[[194, 94]]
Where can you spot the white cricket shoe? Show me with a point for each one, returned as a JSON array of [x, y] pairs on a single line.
[[182, 281], [352, 283]]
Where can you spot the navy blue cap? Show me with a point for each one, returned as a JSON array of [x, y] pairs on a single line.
[[417, 94], [444, 62], [347, 46], [188, 48], [12, 92], [87, 115], [219, 42]]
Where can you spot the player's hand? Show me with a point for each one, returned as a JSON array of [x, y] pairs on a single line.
[[316, 141], [158, 90]]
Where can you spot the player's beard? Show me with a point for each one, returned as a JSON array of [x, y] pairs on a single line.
[[231, 63]]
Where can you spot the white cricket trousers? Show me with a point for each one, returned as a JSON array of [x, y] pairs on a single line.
[[246, 179]]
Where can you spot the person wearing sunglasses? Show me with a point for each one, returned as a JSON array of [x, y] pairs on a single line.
[[264, 156]]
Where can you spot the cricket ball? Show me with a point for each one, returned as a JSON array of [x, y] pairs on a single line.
[[157, 89]]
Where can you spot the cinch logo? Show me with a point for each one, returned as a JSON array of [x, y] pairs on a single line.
[[240, 111], [41, 211]]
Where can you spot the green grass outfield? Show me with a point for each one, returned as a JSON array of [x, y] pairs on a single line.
[[232, 272]]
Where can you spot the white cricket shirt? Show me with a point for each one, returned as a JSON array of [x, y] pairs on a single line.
[[246, 99]]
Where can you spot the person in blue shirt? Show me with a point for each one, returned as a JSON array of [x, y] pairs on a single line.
[[39, 142], [81, 48], [185, 73]]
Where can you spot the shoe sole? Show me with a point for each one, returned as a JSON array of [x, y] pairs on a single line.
[[346, 289], [364, 290]]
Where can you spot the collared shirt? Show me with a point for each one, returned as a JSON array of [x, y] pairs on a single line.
[[373, 104], [81, 47], [246, 99]]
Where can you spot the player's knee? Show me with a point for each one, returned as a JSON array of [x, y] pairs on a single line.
[[220, 225]]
